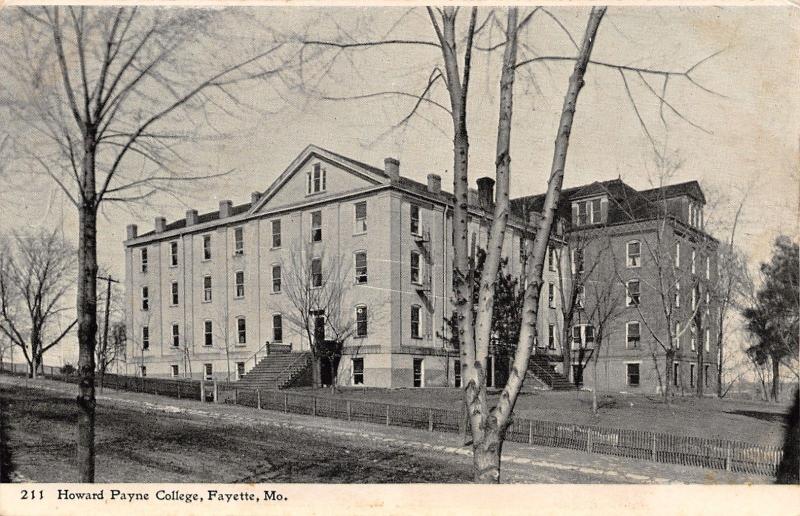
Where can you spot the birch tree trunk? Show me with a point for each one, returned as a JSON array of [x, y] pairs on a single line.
[[488, 451]]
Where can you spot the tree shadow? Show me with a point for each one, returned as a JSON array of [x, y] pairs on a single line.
[[772, 417]]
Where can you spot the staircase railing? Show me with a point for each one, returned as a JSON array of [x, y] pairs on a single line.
[[279, 376], [254, 357], [545, 375]]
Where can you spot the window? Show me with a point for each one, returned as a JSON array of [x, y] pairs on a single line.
[[419, 372], [551, 259], [174, 370], [587, 212], [238, 241], [208, 369], [319, 325], [316, 179], [677, 294], [694, 297], [207, 292], [316, 272], [580, 296], [276, 233], [632, 334], [708, 267], [634, 253], [316, 226], [143, 370], [577, 261], [276, 279], [241, 331], [239, 283], [676, 371], [551, 336], [632, 294], [551, 295], [706, 372], [415, 276], [707, 340], [582, 336], [415, 313], [145, 338], [361, 321], [174, 291], [361, 267], [176, 335], [361, 217], [239, 370], [457, 373], [677, 335], [414, 220], [358, 371], [277, 328], [143, 257], [691, 375], [632, 371], [208, 333], [173, 254], [206, 247], [694, 259], [677, 254], [145, 298], [693, 336]]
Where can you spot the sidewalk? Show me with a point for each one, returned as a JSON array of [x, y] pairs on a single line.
[[521, 463]]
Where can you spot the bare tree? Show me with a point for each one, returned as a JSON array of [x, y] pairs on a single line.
[[35, 278], [604, 304], [108, 94], [314, 283]]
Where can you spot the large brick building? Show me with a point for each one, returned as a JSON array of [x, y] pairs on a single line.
[[199, 282], [207, 292]]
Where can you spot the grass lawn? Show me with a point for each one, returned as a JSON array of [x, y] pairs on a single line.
[[38, 428], [754, 422]]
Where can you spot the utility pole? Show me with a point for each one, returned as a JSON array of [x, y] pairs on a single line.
[[109, 280]]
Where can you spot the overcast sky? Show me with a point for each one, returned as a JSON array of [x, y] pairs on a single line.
[[746, 144]]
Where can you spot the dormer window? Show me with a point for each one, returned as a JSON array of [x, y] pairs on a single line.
[[589, 211], [695, 215], [316, 179]]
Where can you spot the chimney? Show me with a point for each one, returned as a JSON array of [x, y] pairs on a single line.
[[486, 192], [191, 217], [161, 224], [472, 197], [254, 197], [434, 183], [225, 209], [392, 168], [132, 231]]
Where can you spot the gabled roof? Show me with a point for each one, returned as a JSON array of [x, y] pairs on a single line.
[[690, 188], [372, 174]]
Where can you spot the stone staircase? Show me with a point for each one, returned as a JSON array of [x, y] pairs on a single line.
[[278, 370], [540, 367]]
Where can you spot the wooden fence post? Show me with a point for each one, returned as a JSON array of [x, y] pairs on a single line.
[[202, 391], [589, 441], [216, 393], [286, 402], [530, 431], [653, 454], [387, 414], [314, 408], [348, 410], [258, 398], [235, 396], [179, 391], [728, 457], [430, 420]]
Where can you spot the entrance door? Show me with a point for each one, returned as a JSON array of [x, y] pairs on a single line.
[[419, 372]]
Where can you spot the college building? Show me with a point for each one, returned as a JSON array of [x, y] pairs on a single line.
[[238, 292]]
